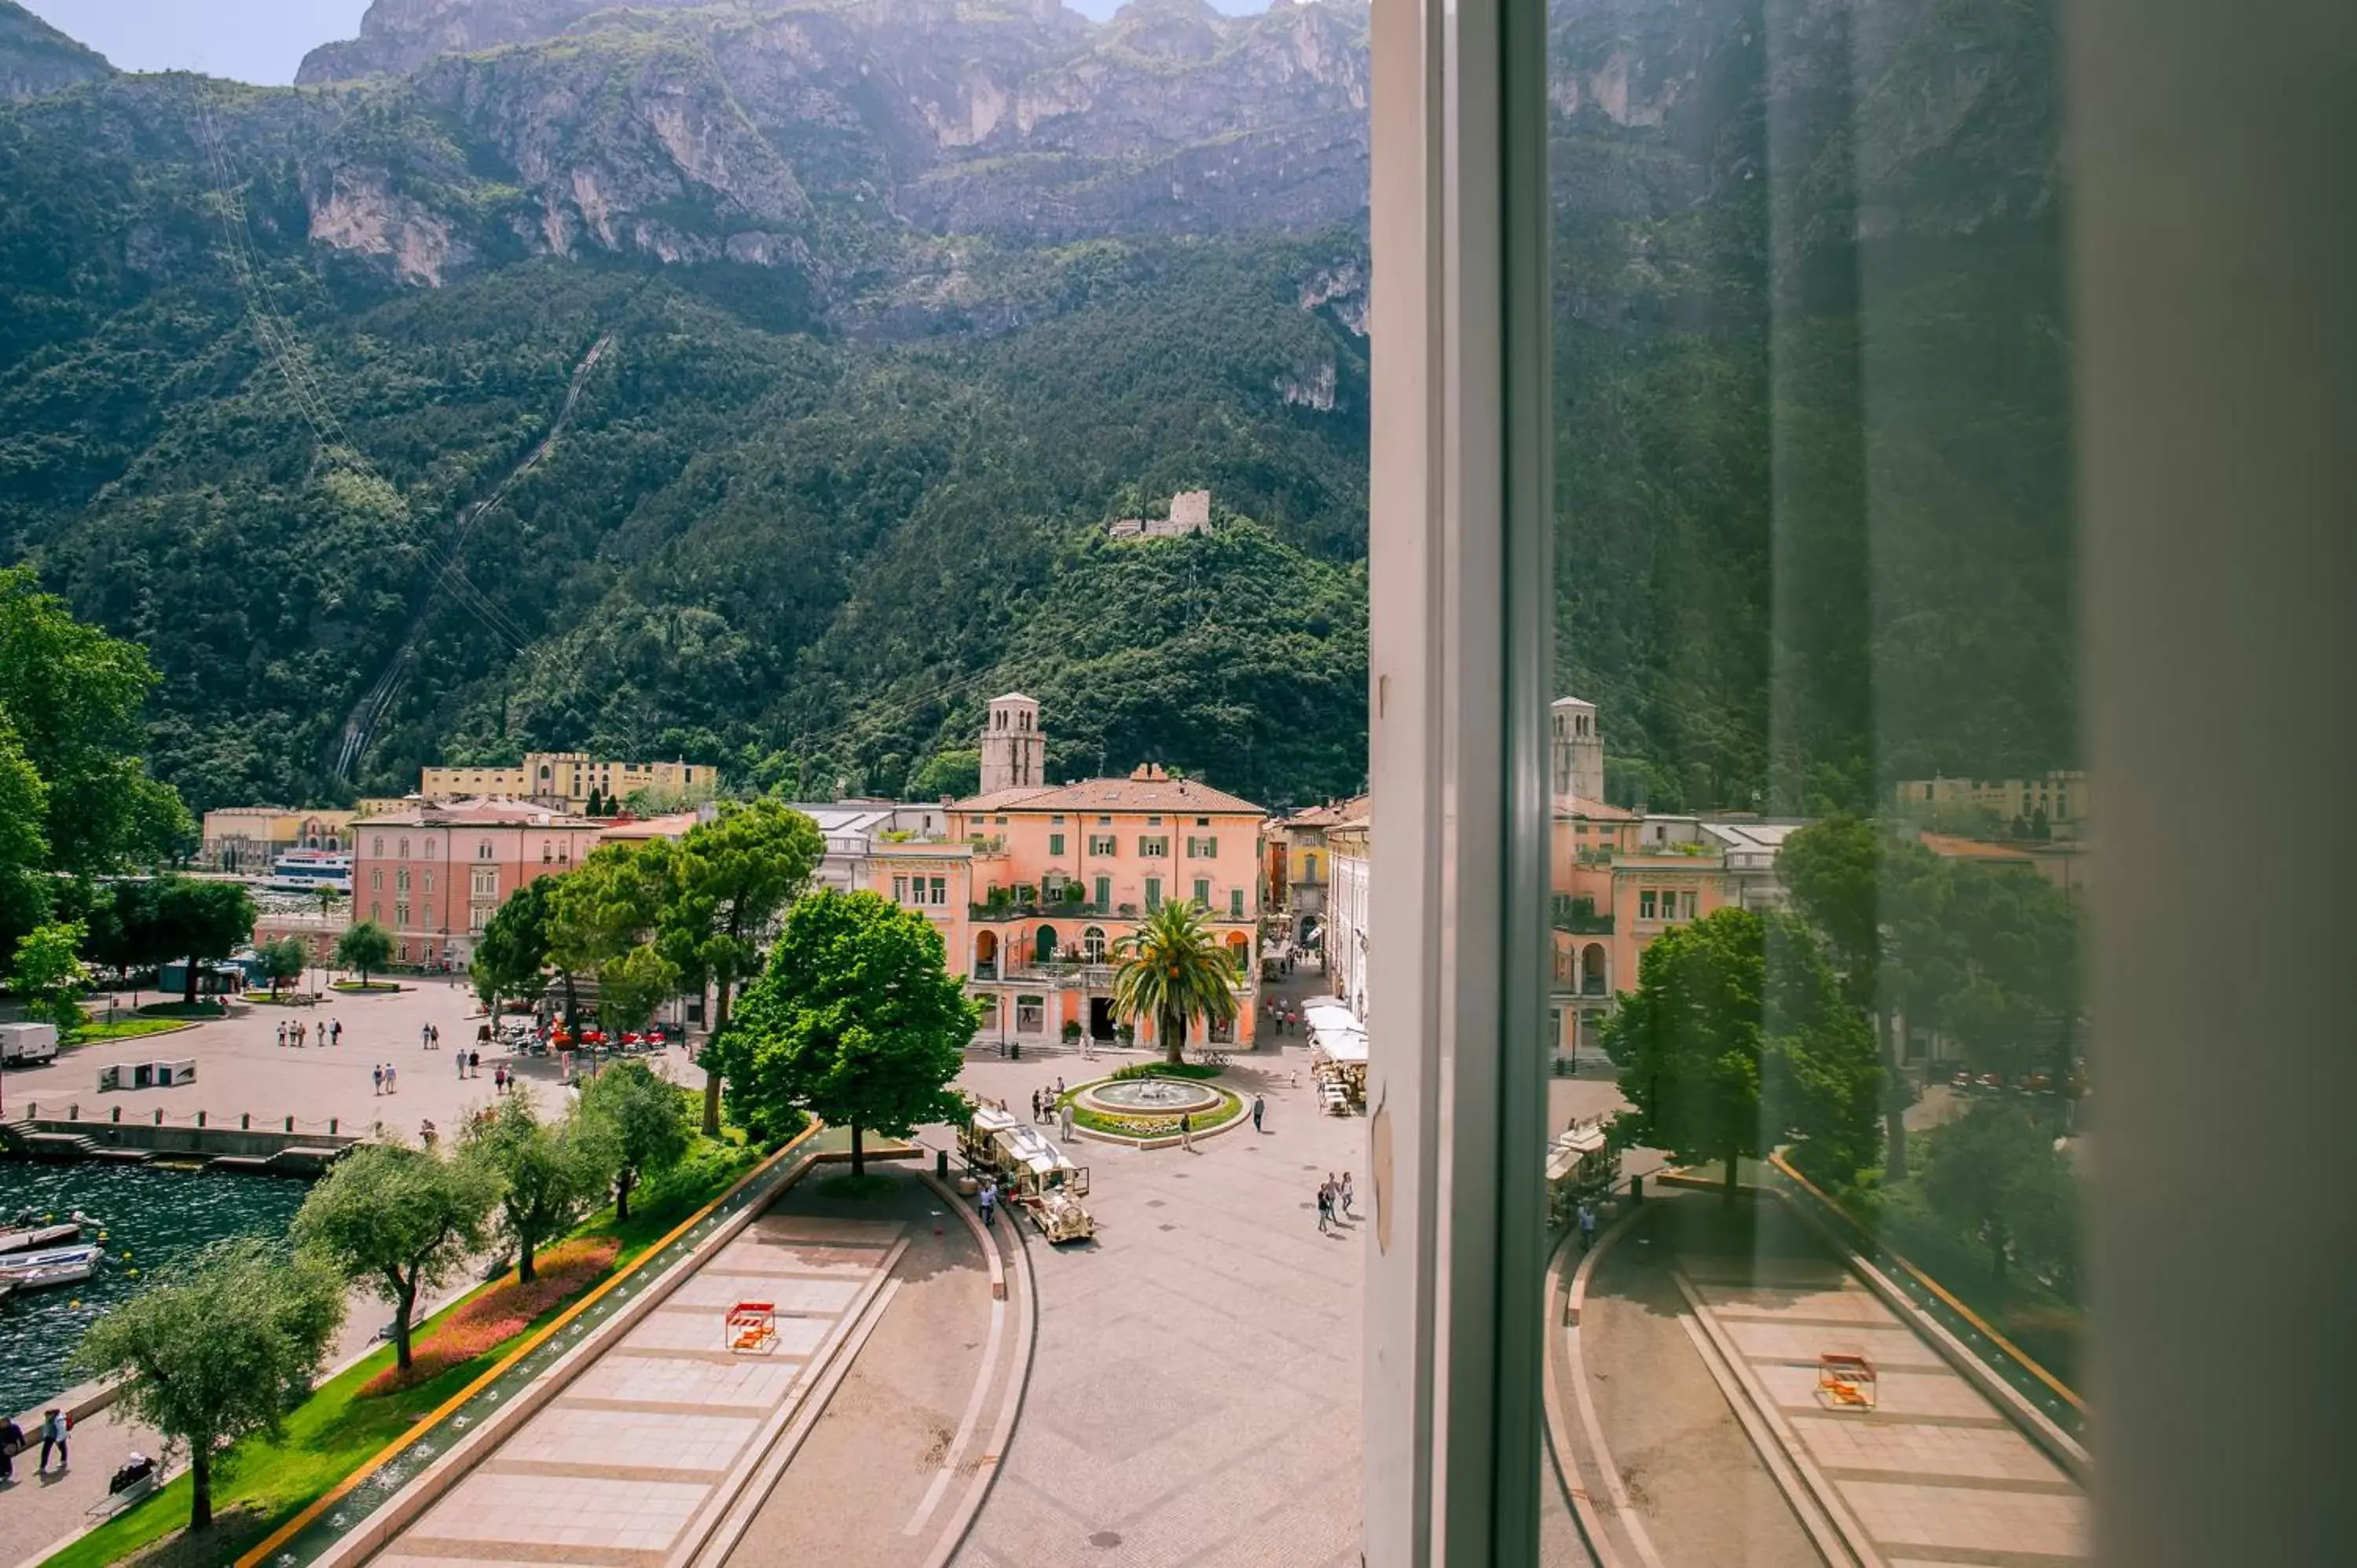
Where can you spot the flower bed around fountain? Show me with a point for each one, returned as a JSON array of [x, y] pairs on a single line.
[[1146, 1110]]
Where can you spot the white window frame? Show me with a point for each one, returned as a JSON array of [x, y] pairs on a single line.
[[1461, 579]]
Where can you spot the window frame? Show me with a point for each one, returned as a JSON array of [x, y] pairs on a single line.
[[1461, 582]]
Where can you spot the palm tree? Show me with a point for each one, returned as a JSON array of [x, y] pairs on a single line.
[[1172, 971]]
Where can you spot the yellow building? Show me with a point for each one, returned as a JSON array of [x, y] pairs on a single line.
[[565, 780], [2061, 798], [245, 840]]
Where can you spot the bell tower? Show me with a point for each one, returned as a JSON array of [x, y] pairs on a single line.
[[1578, 750], [1014, 751]]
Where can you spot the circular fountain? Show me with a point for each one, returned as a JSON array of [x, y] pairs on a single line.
[[1149, 1097]]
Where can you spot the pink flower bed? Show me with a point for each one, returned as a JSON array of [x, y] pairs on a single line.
[[502, 1312]]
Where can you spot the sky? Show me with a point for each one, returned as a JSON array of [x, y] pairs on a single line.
[[247, 40], [261, 40]]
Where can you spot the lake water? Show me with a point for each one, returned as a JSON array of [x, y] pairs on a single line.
[[153, 1219]]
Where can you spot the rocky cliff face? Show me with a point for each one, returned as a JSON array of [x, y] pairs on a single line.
[[36, 58], [399, 36], [763, 132], [806, 136]]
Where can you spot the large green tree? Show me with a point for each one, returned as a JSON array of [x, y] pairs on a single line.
[[1171, 970], [549, 1173], [23, 841], [647, 1118], [2014, 999], [283, 960], [1736, 1040], [200, 920], [856, 1019], [604, 909], [364, 946], [511, 958], [48, 976], [1995, 1175], [402, 1221], [220, 1351], [632, 987], [73, 695], [1877, 899], [729, 879]]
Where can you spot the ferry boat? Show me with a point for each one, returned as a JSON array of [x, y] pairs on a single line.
[[304, 870]]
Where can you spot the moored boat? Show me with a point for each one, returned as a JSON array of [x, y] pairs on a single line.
[[38, 1236], [55, 1266]]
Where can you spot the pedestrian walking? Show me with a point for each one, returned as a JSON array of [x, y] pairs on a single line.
[[1185, 1131], [462, 1064], [988, 1198], [474, 1064], [1350, 1196], [1064, 1121], [55, 1430], [12, 1443], [435, 1030], [378, 1073], [336, 1032], [1258, 1106], [282, 1034], [1325, 1208], [1587, 1224], [392, 1079]]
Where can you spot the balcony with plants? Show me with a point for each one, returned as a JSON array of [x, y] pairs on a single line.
[[1579, 917]]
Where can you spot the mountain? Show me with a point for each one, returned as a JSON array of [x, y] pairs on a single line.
[[35, 57], [781, 131], [754, 380]]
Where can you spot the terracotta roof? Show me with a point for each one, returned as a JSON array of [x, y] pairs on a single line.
[[479, 814], [673, 826], [999, 800], [1176, 796], [1593, 811], [1326, 816], [1948, 847]]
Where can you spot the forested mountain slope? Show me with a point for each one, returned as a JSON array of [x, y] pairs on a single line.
[[753, 381]]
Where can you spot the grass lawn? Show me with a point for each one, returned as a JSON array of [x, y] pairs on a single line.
[[263, 1481], [125, 1029], [354, 987], [185, 1010]]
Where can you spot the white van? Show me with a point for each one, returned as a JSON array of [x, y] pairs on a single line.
[[22, 1045]]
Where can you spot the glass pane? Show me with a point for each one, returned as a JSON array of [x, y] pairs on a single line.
[[1822, 819]]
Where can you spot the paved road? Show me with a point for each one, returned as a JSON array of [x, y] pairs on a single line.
[[241, 1069], [1935, 1474], [1195, 1396], [868, 1486]]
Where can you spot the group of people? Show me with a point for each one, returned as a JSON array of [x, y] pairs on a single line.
[[1050, 1103], [388, 1077], [298, 1033], [429, 1036], [1286, 1017], [55, 1428], [1335, 1197]]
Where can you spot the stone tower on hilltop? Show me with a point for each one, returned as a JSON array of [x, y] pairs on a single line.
[[1578, 750], [1014, 751]]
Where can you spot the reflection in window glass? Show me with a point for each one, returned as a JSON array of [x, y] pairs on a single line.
[[1815, 635]]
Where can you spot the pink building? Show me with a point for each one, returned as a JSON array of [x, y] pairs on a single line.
[[434, 875], [1033, 886]]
